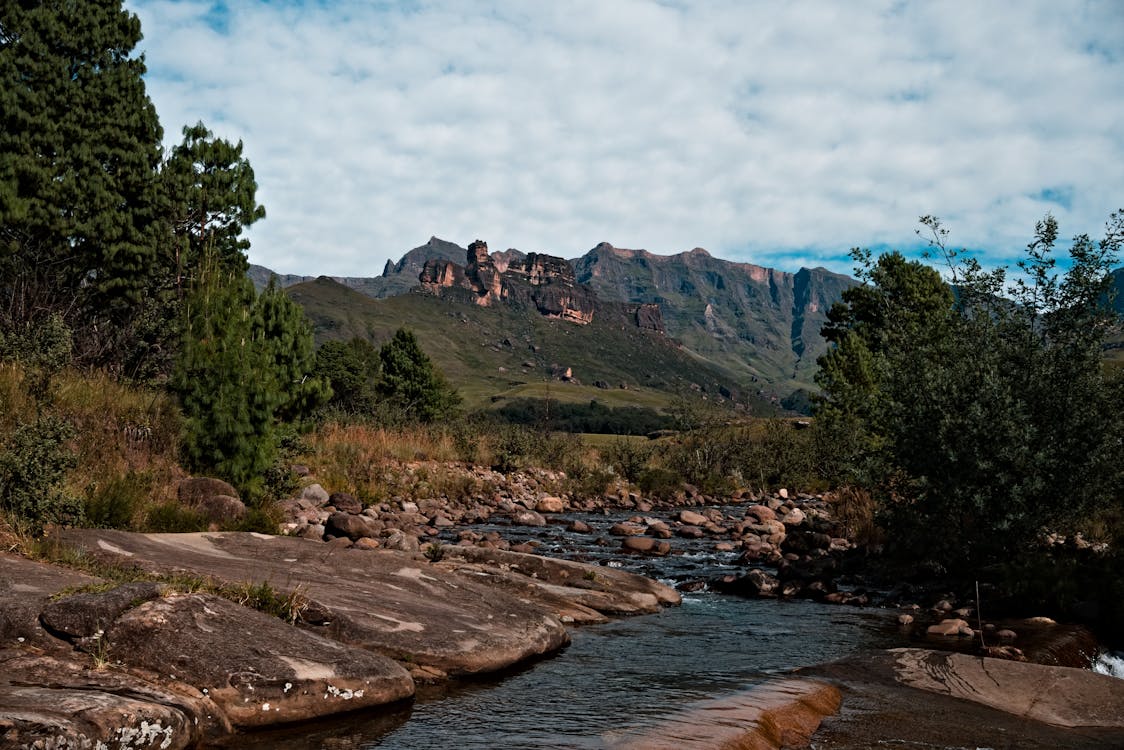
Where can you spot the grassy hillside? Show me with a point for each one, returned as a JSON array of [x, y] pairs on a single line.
[[491, 353]]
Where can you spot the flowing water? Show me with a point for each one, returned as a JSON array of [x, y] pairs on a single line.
[[616, 679]]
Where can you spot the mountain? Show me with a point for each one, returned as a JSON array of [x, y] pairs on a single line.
[[397, 278], [757, 321], [496, 352]]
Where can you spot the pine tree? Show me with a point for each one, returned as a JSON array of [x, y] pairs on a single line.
[[411, 382], [79, 151]]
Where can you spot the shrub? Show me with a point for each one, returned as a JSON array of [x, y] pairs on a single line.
[[33, 464], [173, 518], [114, 502], [628, 458]]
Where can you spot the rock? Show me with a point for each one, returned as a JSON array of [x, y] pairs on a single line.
[[690, 518], [626, 528], [194, 490], [341, 524], [345, 503], [761, 513], [952, 627], [1006, 635], [527, 518], [311, 531], [690, 532], [783, 712], [87, 615], [297, 677], [384, 602], [659, 529], [579, 527], [316, 494], [400, 541], [367, 543], [782, 494], [645, 544], [551, 504], [221, 508], [905, 620], [794, 517], [756, 583]]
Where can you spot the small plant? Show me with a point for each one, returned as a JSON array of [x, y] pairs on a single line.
[[590, 575], [173, 518], [33, 464], [112, 503], [434, 552]]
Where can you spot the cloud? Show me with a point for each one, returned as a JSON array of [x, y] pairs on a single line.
[[756, 130]]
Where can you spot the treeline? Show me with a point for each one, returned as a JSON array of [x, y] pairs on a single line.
[[591, 417]]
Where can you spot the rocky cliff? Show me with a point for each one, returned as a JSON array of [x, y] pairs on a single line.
[[753, 319], [541, 281]]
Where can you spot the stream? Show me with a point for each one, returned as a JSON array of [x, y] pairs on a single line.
[[616, 679]]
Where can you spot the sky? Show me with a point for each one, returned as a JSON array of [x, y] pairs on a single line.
[[774, 133]]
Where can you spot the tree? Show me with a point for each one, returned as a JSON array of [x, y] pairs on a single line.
[[79, 151], [211, 194], [352, 369], [977, 412], [244, 369], [411, 382]]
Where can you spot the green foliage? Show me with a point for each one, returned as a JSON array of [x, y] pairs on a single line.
[[244, 368], [113, 503], [352, 370], [79, 151], [975, 415], [628, 458], [34, 460], [173, 518], [593, 417], [411, 382], [212, 197]]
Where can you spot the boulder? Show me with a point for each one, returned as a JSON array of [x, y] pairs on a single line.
[[551, 504], [345, 503], [579, 527], [389, 603], [755, 583], [315, 494], [761, 512], [220, 509], [261, 671], [691, 518], [194, 490], [87, 615], [626, 528], [349, 526], [645, 544], [951, 627]]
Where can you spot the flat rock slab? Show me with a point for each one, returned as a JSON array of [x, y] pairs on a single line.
[[257, 669], [26, 587], [944, 709], [1061, 696], [781, 713], [392, 603]]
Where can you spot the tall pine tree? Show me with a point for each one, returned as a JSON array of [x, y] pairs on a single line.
[[79, 152]]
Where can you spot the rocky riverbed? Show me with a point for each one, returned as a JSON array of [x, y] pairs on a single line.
[[413, 591]]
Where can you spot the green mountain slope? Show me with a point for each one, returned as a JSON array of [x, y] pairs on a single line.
[[761, 323], [506, 351]]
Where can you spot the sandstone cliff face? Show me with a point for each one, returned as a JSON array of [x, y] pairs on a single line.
[[542, 281], [754, 319]]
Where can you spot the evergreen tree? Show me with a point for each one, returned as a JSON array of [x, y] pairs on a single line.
[[972, 416], [79, 151], [211, 197], [411, 382], [283, 331], [352, 370]]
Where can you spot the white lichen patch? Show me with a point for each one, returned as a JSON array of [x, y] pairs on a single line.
[[346, 695], [288, 687], [144, 735], [108, 547]]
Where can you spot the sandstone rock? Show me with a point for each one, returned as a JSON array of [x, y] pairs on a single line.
[[761, 513], [367, 543], [755, 583], [905, 619], [345, 503], [626, 528], [579, 527], [1006, 635], [400, 541], [782, 494], [315, 494], [527, 518], [192, 491], [690, 532], [385, 602], [341, 524], [794, 517], [311, 531], [952, 627], [86, 615], [551, 504], [645, 544], [221, 508], [691, 518], [281, 674]]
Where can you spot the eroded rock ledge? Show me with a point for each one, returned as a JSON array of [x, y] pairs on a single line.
[[149, 665]]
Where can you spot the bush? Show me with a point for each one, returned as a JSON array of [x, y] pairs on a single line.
[[628, 458], [33, 464], [174, 518], [113, 503]]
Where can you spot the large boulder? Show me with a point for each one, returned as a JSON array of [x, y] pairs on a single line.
[[261, 671], [388, 602]]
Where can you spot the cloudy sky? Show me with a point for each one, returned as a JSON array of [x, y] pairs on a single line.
[[775, 133]]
